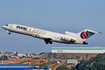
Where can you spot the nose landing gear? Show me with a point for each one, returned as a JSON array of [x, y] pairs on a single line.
[[9, 33]]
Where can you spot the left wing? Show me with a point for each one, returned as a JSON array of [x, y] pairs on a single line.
[[68, 40], [46, 39]]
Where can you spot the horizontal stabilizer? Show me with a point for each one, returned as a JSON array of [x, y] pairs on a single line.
[[93, 31]]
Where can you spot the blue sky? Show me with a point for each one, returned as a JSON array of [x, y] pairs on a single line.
[[52, 15]]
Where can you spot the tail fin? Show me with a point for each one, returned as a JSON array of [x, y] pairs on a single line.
[[87, 33]]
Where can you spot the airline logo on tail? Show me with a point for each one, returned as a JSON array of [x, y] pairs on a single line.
[[83, 35]]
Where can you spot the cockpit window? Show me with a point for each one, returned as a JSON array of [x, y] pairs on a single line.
[[6, 24]]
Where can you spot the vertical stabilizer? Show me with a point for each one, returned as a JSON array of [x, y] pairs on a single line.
[[86, 34]]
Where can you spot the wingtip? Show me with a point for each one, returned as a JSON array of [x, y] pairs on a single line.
[[98, 33]]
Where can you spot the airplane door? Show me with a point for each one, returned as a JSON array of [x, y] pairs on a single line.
[[11, 26]]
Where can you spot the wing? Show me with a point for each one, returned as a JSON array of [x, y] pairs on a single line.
[[46, 39], [68, 40]]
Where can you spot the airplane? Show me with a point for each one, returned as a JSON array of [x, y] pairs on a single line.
[[50, 37]]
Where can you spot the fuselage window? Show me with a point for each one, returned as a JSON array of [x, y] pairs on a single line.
[[6, 24]]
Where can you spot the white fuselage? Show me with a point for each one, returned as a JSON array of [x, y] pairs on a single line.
[[43, 34]]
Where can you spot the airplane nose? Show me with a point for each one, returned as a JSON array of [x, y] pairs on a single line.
[[3, 26]]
